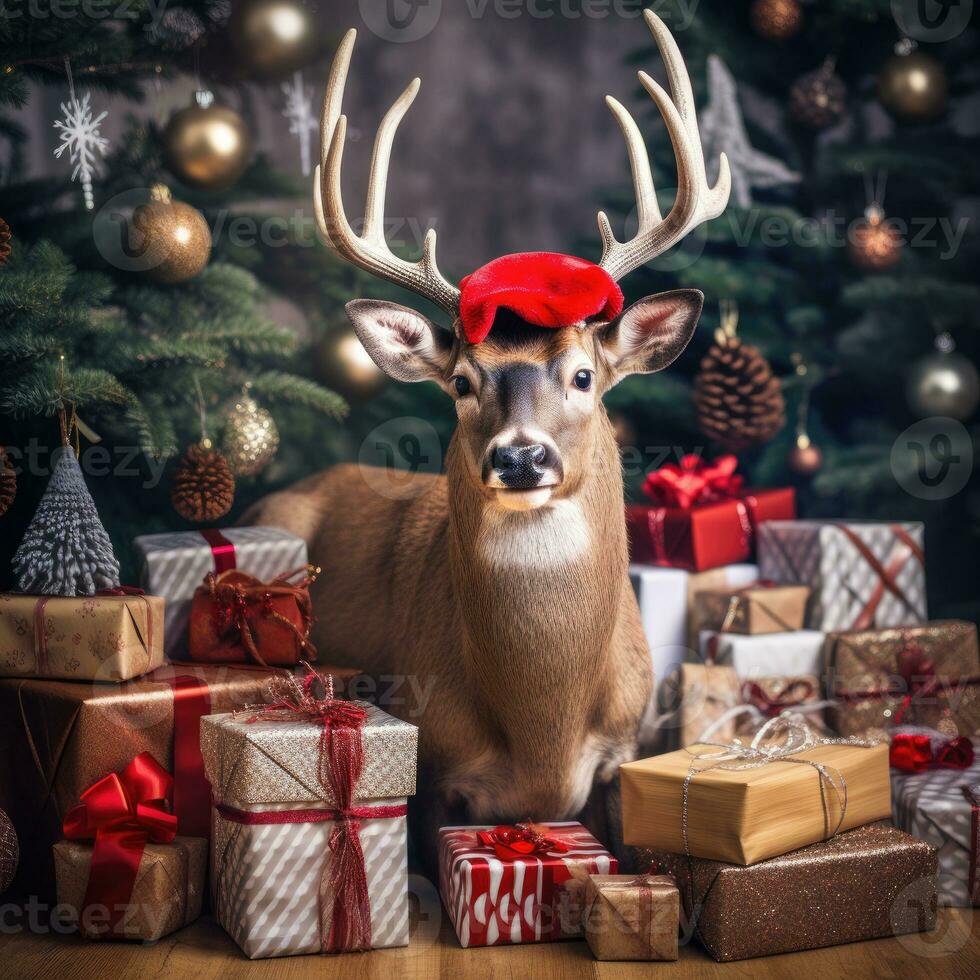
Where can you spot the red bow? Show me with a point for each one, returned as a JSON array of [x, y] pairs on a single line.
[[122, 813], [919, 673], [520, 840], [917, 753], [795, 693], [693, 481]]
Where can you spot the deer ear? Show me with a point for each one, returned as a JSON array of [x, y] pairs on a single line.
[[652, 333], [404, 344]]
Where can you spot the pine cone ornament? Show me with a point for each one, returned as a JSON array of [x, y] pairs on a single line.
[[5, 235], [8, 482], [738, 400], [204, 486]]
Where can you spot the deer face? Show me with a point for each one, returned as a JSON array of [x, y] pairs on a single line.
[[528, 399]]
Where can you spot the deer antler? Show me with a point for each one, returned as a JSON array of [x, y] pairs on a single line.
[[696, 202], [370, 251]]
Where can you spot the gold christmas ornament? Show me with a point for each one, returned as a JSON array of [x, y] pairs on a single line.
[[206, 145], [805, 459], [874, 244], [912, 85], [776, 19], [818, 99], [944, 383], [343, 364], [273, 38], [172, 238], [251, 437]]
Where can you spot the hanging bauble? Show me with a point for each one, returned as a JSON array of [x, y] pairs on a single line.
[[272, 38], [805, 459], [207, 145], [251, 437], [818, 99], [65, 550], [172, 238], [912, 85], [5, 236], [204, 486], [873, 243], [739, 402], [343, 364], [944, 383], [8, 482], [776, 19], [9, 852]]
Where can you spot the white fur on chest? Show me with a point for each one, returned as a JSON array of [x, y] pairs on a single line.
[[555, 535]]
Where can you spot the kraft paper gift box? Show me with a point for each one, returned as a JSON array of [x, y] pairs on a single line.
[[94, 638], [871, 882], [631, 918], [789, 654], [862, 574], [518, 884], [752, 609], [665, 597], [173, 565], [942, 807], [745, 814], [166, 896], [60, 737], [917, 675], [273, 823]]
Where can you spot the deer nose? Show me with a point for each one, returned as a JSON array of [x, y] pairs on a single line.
[[518, 466]]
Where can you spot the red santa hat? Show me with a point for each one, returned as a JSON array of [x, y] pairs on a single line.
[[543, 288]]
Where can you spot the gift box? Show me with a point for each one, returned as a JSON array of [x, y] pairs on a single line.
[[309, 841], [871, 882], [237, 618], [941, 805], [701, 515], [917, 675], [173, 565], [768, 654], [631, 918], [105, 637], [60, 737], [518, 884], [861, 574], [749, 803], [756, 608], [665, 597]]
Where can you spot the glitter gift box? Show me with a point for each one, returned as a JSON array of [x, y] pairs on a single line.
[[166, 896], [276, 824], [89, 638], [173, 565], [631, 918], [755, 608], [745, 813], [867, 883], [861, 574], [920, 675], [519, 884], [942, 807]]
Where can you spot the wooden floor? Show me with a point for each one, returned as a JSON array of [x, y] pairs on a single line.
[[204, 952]]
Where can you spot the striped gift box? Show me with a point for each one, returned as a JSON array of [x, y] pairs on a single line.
[[532, 898], [174, 565]]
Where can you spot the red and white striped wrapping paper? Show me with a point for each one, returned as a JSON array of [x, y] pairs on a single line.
[[535, 898]]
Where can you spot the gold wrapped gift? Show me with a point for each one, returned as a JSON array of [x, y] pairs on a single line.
[[631, 918], [754, 609], [167, 893], [746, 803], [90, 638]]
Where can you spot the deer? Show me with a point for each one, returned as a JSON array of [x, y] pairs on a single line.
[[501, 585]]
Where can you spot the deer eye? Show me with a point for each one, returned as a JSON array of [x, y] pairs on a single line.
[[462, 385], [583, 380]]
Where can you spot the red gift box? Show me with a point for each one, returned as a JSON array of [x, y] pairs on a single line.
[[518, 884], [702, 517]]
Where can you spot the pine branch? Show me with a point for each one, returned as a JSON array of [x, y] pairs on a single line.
[[281, 386]]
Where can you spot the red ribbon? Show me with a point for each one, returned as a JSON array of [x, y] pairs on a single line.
[[264, 818], [511, 841], [340, 764], [192, 791], [222, 550], [693, 481], [916, 753], [970, 793], [793, 694], [121, 813]]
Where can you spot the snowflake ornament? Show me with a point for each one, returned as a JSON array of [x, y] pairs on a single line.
[[302, 121], [80, 138]]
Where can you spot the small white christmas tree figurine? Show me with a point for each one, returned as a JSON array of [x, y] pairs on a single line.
[[65, 550]]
